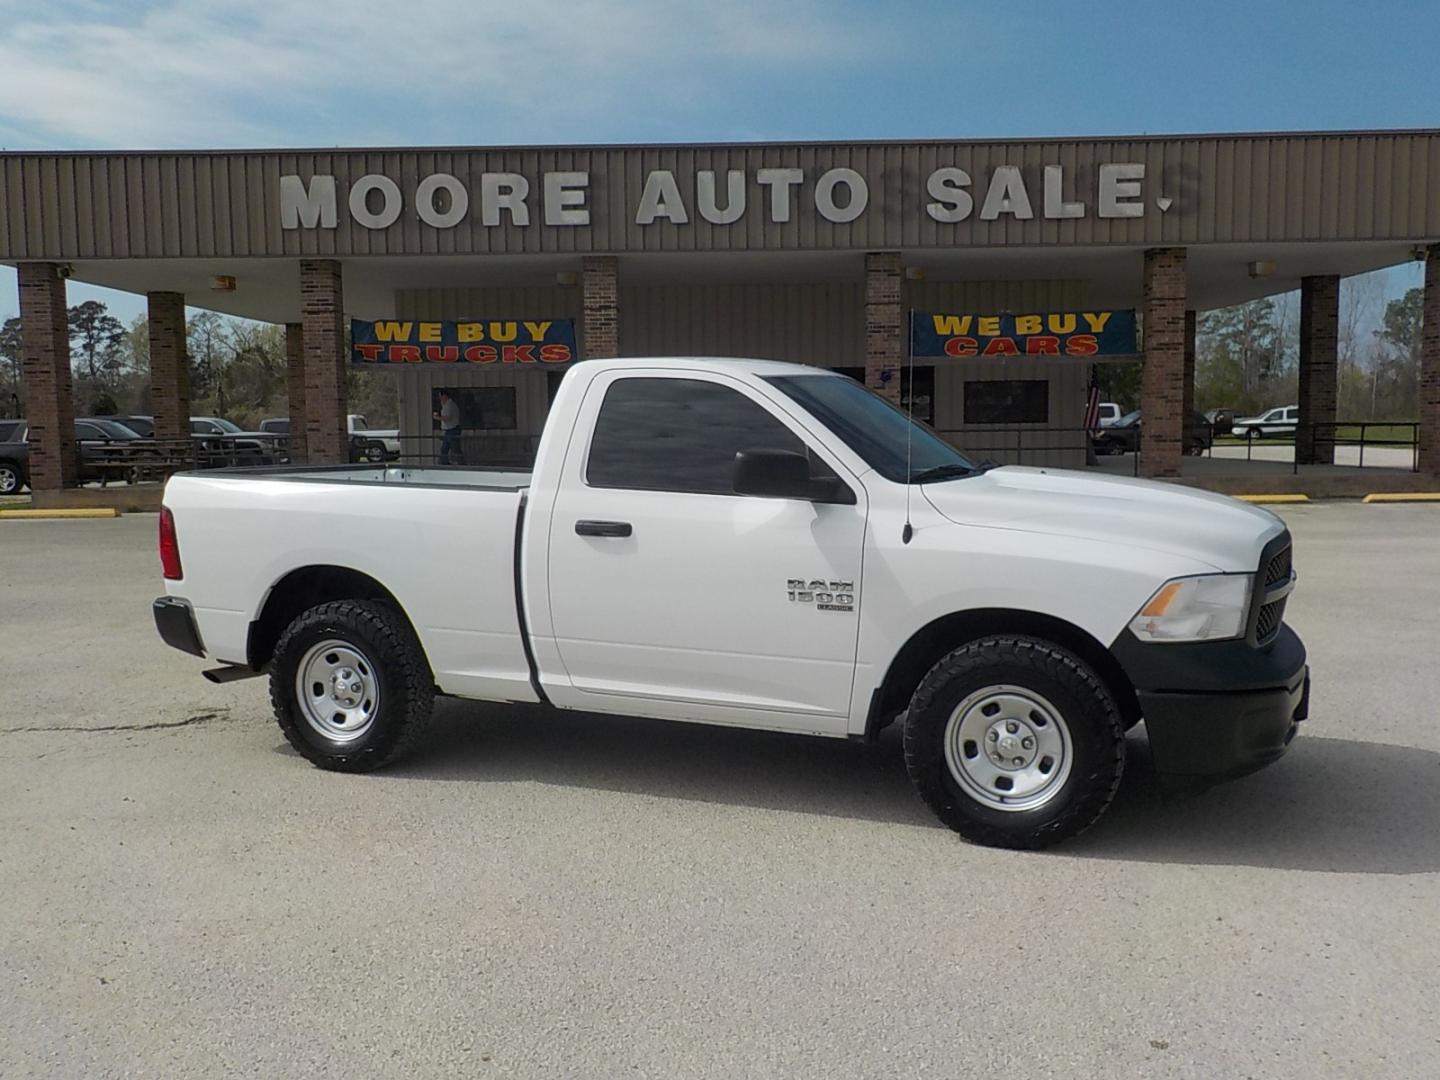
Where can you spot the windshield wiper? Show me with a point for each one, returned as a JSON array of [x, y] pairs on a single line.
[[951, 471]]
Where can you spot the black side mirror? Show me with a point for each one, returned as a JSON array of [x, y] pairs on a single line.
[[784, 474]]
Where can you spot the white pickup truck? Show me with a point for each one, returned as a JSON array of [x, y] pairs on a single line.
[[767, 546]]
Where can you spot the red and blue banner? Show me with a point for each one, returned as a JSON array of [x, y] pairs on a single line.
[[391, 342], [1063, 334]]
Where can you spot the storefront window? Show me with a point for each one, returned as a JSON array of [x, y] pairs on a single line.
[[1007, 401], [482, 408]]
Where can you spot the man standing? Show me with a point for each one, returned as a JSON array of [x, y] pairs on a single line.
[[449, 417]]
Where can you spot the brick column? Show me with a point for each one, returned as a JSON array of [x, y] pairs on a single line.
[[1430, 365], [1319, 363], [322, 322], [1189, 362], [884, 323], [1162, 383], [600, 306], [45, 377], [169, 376], [295, 389]]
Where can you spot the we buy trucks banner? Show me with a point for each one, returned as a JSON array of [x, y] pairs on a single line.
[[475, 341], [1053, 333]]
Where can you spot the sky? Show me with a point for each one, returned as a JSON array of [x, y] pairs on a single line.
[[158, 74]]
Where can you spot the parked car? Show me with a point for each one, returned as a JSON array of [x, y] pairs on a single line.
[[143, 426], [1109, 413], [224, 442], [14, 457], [108, 451], [1277, 421], [730, 542], [1123, 436], [389, 438], [1221, 420], [362, 448]]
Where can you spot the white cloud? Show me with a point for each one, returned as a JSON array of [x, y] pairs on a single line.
[[238, 72]]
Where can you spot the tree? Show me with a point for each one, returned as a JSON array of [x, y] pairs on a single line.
[[95, 337], [206, 346], [1243, 359], [10, 367], [1359, 303], [1395, 361]]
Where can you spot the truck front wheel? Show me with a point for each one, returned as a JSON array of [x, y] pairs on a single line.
[[350, 685], [1014, 742]]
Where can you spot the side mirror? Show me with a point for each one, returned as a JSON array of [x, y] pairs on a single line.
[[784, 474]]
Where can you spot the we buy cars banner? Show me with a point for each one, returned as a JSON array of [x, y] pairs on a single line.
[[1052, 333], [474, 341]]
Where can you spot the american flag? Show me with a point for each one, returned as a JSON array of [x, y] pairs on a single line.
[[1092, 406]]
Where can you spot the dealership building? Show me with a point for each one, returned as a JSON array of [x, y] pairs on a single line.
[[818, 253]]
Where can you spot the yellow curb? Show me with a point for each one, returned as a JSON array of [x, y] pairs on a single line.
[[81, 512], [1403, 496], [1273, 498]]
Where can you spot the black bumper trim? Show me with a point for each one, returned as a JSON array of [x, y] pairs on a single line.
[[1217, 710], [176, 624], [1201, 739]]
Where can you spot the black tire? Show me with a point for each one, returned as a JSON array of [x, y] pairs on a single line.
[[12, 478], [1082, 701], [406, 690]]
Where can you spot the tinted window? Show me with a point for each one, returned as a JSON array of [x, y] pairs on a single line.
[[872, 427], [112, 429], [9, 430], [678, 435], [275, 427], [482, 408], [1007, 401], [88, 431]]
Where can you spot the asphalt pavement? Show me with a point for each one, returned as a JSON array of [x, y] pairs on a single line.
[[542, 895]]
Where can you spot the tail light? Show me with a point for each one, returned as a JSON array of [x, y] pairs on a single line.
[[169, 546]]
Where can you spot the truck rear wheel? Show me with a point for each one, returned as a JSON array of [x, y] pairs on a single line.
[[1014, 742], [350, 686]]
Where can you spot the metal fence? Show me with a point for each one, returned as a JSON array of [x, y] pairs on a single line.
[[147, 461], [500, 450], [1325, 438]]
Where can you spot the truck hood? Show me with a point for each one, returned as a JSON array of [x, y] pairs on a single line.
[[1213, 529]]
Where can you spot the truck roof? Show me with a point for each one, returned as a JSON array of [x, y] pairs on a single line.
[[723, 363]]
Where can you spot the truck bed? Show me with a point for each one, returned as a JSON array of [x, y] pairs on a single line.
[[441, 538]]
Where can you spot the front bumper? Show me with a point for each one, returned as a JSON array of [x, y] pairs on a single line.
[[1217, 710], [176, 623]]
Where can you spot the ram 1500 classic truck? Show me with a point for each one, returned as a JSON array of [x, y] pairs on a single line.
[[768, 546]]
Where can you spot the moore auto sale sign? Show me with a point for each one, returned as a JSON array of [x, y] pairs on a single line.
[[777, 193]]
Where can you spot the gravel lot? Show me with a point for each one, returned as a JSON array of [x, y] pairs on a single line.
[[538, 895]]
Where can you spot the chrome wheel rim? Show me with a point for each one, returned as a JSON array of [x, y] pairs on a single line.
[[1008, 748], [338, 691], [9, 480]]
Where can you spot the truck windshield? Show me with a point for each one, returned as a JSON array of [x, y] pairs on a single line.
[[875, 429]]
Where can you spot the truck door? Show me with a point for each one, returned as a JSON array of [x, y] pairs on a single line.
[[671, 595]]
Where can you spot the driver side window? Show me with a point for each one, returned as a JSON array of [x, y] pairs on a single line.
[[658, 434]]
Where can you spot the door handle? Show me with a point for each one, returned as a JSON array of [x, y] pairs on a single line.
[[602, 528]]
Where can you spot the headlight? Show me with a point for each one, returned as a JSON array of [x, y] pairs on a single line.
[[1209, 608]]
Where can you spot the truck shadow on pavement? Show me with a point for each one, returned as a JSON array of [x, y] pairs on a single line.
[[1335, 805]]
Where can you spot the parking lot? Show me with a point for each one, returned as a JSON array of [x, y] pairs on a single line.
[[541, 895]]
